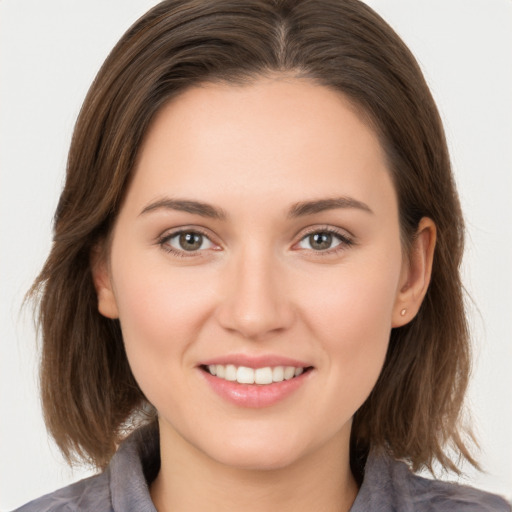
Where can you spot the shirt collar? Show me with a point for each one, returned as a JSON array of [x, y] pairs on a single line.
[[133, 468], [137, 462]]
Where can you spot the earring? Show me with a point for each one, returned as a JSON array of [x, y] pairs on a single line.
[[402, 313]]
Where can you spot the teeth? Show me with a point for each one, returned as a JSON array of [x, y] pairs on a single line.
[[245, 375], [220, 371], [263, 375], [289, 372], [230, 372], [278, 374]]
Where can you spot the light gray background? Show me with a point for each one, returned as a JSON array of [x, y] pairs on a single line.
[[50, 52]]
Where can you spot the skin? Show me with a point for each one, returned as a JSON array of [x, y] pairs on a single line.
[[258, 286]]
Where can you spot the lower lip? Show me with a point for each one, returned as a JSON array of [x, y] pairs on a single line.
[[254, 395]]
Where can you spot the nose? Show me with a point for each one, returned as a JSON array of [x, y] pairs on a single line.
[[255, 304]]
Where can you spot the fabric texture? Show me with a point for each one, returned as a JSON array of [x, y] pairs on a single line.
[[388, 486]]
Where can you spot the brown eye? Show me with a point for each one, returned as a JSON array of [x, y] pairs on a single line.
[[190, 241], [323, 241], [320, 241], [187, 241]]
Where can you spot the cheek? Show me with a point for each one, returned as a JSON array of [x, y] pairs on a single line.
[[351, 316], [354, 298], [161, 312]]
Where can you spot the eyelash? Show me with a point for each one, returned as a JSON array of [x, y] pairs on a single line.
[[345, 241], [163, 242]]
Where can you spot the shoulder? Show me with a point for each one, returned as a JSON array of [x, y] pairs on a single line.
[[390, 486], [435, 495], [92, 493], [122, 487]]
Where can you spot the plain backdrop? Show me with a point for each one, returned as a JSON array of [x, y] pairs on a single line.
[[49, 53]]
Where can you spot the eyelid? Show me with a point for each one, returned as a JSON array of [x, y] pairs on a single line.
[[346, 238], [162, 241]]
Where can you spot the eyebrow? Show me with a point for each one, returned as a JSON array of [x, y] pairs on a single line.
[[300, 209], [311, 207], [186, 205]]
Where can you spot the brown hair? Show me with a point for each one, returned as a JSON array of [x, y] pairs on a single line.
[[90, 397]]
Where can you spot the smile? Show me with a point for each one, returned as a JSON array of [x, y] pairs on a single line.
[[262, 376]]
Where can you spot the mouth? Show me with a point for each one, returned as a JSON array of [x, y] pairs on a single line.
[[259, 376]]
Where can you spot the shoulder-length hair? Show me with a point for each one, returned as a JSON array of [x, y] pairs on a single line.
[[90, 397]]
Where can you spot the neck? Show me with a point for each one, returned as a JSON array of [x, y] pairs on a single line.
[[191, 481]]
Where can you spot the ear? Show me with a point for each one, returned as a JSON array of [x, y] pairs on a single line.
[[107, 304], [416, 272]]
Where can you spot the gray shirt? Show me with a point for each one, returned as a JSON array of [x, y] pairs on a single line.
[[388, 486]]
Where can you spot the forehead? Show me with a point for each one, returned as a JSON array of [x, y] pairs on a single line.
[[274, 137]]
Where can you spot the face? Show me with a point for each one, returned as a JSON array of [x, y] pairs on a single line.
[[259, 240]]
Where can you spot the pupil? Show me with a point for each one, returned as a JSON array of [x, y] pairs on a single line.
[[320, 241], [191, 241]]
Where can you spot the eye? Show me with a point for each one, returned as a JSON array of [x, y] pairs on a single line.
[[186, 241], [323, 241]]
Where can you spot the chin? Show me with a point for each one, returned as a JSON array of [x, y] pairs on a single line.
[[259, 453], [258, 460]]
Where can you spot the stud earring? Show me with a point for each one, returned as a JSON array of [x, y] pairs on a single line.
[[402, 313]]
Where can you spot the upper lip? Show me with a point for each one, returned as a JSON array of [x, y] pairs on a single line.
[[260, 361]]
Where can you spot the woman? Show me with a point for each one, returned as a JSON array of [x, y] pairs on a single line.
[[256, 253]]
